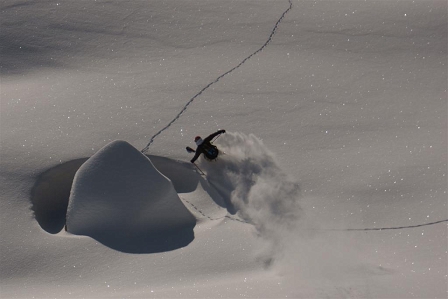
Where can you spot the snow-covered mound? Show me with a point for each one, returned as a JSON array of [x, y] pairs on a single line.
[[119, 198]]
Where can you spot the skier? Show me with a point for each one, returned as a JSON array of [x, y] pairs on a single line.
[[205, 147]]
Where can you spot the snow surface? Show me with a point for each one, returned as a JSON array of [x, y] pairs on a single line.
[[334, 181]]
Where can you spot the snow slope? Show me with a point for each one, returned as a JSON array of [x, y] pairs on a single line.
[[334, 187]]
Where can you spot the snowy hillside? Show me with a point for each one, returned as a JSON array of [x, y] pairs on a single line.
[[332, 179]]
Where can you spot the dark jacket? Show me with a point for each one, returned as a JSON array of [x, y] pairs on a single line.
[[205, 146]]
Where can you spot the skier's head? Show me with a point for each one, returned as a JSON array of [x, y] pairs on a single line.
[[198, 140]]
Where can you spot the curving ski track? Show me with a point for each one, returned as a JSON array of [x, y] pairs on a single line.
[[390, 228], [271, 35], [220, 77], [345, 230], [210, 218]]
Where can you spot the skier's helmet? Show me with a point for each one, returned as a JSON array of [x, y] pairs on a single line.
[[198, 140]]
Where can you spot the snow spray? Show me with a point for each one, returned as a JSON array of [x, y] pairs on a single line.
[[250, 178]]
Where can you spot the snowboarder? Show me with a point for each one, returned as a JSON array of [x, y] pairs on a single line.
[[204, 146]]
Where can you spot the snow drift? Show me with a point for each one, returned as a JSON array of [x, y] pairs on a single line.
[[119, 198], [249, 178]]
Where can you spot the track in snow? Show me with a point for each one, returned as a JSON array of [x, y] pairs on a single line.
[[273, 31], [392, 228], [219, 78]]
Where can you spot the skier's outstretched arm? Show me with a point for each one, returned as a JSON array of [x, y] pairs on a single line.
[[214, 135], [196, 156]]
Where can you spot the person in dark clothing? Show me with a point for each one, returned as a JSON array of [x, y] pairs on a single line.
[[205, 147]]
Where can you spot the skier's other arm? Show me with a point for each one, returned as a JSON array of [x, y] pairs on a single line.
[[196, 155], [209, 138]]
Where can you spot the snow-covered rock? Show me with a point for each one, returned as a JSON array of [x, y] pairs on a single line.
[[119, 198]]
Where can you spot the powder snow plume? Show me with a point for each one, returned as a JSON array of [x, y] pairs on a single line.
[[249, 178], [254, 186]]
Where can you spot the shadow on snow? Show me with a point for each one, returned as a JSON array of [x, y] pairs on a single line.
[[51, 191]]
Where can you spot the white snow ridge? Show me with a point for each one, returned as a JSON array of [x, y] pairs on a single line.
[[119, 198]]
